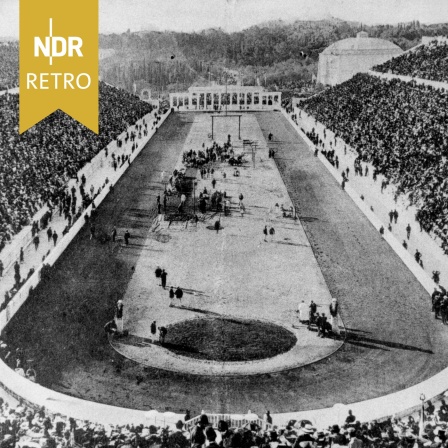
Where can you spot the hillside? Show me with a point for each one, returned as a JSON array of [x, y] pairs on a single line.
[[271, 53]]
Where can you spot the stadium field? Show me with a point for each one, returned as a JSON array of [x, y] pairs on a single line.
[[384, 308]]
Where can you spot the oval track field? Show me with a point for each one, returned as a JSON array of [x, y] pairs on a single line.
[[394, 341]]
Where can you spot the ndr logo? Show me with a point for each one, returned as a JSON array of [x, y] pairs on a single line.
[[56, 46]]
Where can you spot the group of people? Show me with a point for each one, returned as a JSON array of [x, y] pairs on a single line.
[[309, 316], [202, 158], [392, 433], [71, 208], [213, 201], [401, 129], [426, 61], [16, 359], [35, 166], [440, 304], [9, 68], [24, 426], [270, 232], [178, 294]]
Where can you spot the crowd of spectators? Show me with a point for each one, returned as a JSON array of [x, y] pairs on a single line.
[[427, 62], [401, 128], [16, 359], [24, 426], [35, 166], [9, 65]]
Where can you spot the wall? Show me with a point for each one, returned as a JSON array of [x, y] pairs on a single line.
[[420, 81], [335, 69], [13, 90]]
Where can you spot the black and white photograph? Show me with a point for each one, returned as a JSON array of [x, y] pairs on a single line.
[[252, 252]]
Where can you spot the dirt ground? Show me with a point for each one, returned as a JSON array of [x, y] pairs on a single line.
[[393, 343], [231, 272]]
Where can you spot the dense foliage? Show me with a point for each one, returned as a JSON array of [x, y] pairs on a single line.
[[271, 54]]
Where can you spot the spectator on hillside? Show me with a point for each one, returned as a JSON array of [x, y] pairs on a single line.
[[9, 68], [427, 61]]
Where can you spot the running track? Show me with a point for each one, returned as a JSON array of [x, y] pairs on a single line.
[[394, 341]]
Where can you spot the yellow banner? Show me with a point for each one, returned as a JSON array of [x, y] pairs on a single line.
[[58, 60]]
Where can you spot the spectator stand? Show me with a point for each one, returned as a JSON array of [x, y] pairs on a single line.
[[30, 177], [103, 160], [9, 69], [35, 394], [113, 176], [307, 123], [418, 81], [391, 140], [426, 240], [12, 250], [56, 407], [425, 61]]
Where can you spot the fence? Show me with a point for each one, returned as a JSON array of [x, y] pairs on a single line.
[[234, 421], [230, 108], [418, 81]]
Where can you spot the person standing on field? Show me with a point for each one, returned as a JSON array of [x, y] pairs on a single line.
[[153, 329], [119, 315], [179, 294], [334, 317], [163, 276], [127, 235], [36, 241]]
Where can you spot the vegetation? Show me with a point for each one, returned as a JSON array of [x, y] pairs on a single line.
[[226, 339], [276, 54]]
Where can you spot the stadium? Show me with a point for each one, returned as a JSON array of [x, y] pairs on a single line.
[[228, 263]]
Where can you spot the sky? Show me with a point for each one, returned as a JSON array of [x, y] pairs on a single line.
[[232, 15]]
